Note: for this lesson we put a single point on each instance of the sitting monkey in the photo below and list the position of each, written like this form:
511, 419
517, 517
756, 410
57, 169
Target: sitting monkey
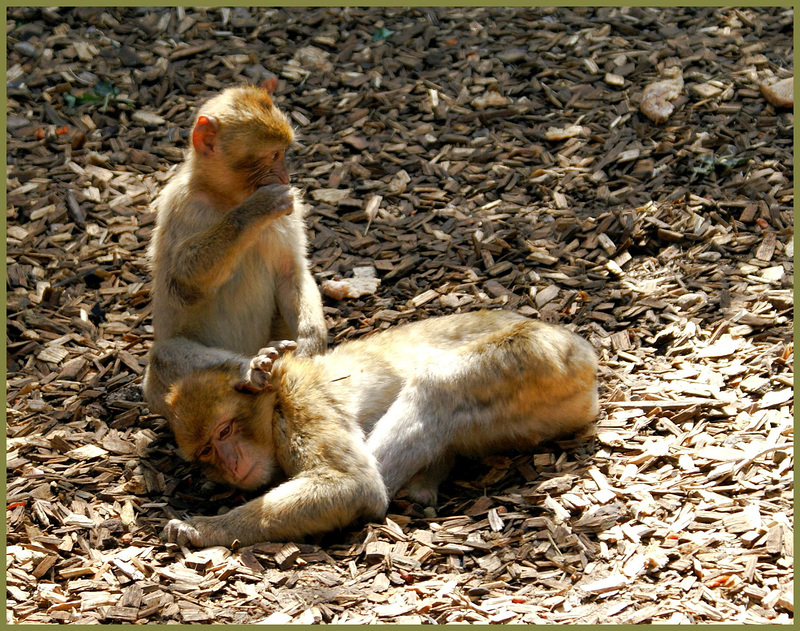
230, 267
352, 427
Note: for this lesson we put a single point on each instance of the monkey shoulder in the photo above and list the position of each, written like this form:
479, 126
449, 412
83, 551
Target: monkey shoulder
300, 384
315, 389
176, 193
312, 424
188, 216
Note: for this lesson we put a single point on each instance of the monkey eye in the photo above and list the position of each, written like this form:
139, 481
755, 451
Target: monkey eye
205, 452
274, 156
225, 431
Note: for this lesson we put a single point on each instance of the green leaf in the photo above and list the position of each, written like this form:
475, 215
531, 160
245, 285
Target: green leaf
105, 89
709, 163
88, 97
706, 165
381, 33
731, 162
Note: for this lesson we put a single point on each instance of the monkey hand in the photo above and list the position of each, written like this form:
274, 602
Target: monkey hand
273, 200
183, 533
199, 532
259, 372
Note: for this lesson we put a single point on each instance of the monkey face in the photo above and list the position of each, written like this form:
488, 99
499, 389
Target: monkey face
261, 168
241, 138
228, 433
233, 456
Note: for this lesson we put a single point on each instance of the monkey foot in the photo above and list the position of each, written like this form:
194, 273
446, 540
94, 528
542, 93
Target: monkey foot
260, 370
422, 493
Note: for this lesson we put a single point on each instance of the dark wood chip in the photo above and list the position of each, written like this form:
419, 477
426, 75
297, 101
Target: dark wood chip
474, 158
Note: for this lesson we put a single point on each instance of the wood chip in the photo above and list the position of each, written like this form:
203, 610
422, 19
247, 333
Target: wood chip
656, 98
286, 556
471, 158
779, 92
610, 583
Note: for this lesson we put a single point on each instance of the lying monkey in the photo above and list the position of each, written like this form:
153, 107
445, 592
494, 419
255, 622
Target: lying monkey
352, 427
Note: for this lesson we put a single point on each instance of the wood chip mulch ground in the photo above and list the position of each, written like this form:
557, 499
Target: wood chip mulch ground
475, 158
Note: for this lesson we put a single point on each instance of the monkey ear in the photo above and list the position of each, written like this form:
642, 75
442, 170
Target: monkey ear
271, 84
248, 387
204, 135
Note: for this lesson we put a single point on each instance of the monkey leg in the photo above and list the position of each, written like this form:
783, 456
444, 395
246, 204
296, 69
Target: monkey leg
300, 306
515, 386
175, 358
316, 501
410, 437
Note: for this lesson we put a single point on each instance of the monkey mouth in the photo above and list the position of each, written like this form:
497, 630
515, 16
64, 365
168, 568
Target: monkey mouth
251, 480
267, 180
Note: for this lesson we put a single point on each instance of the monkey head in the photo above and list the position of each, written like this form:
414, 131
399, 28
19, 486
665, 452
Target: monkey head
239, 140
226, 431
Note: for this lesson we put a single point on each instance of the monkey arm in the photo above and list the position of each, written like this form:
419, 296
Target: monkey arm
315, 501
175, 358
300, 305
335, 480
207, 258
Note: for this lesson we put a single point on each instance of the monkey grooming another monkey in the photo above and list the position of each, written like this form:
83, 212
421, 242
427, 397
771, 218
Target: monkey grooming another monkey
230, 268
352, 427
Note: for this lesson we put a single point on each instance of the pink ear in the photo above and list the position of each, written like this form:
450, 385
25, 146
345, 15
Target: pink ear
271, 84
204, 135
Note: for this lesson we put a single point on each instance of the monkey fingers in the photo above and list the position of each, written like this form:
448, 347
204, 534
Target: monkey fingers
263, 361
272, 200
182, 533
281, 346
259, 372
257, 377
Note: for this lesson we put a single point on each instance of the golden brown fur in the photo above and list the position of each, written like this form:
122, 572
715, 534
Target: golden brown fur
352, 427
230, 270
